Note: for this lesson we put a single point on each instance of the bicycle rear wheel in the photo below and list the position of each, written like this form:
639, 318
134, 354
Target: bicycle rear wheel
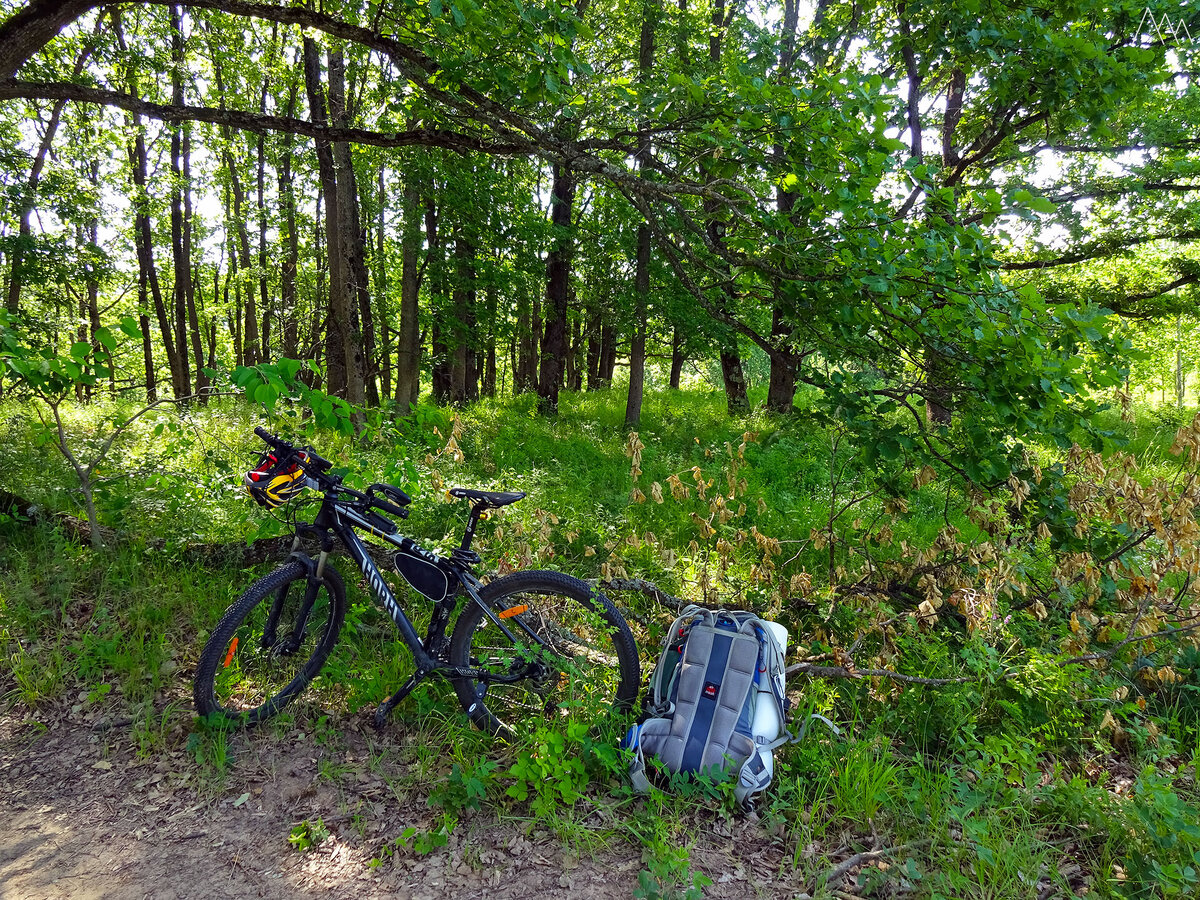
270, 644
577, 654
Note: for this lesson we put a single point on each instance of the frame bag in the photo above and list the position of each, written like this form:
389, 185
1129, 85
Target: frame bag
716, 701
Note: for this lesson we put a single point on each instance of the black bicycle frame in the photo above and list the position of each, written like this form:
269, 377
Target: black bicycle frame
340, 519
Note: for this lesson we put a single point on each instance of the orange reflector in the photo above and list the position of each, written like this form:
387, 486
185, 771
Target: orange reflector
232, 650
513, 611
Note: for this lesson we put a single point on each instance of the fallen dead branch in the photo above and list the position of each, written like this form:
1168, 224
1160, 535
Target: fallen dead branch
75, 528
802, 668
641, 586
865, 857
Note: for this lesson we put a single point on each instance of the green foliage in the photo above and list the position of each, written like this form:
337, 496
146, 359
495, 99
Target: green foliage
791, 206
550, 771
267, 383
308, 835
668, 874
40, 370
466, 787
1002, 771
864, 779
209, 747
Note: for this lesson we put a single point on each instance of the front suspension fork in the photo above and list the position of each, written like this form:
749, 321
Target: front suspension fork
316, 578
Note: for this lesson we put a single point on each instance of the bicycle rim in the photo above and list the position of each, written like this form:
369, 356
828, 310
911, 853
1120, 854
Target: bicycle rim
576, 651
257, 673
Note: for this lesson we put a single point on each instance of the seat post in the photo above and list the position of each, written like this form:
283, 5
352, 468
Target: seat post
472, 520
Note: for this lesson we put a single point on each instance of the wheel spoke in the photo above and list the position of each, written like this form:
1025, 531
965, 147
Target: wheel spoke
248, 671
582, 656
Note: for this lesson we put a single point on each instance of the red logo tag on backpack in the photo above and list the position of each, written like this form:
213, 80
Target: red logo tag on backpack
710, 690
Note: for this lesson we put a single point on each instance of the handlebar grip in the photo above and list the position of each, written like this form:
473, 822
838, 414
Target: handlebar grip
271, 439
318, 462
395, 500
391, 492
389, 508
315, 460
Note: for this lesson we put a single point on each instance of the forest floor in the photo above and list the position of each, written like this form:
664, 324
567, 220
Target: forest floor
86, 816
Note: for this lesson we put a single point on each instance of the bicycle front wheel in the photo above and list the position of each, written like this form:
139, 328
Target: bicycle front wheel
573, 656
270, 644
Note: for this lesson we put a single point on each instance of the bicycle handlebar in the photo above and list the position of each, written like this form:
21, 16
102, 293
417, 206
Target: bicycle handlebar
315, 460
392, 502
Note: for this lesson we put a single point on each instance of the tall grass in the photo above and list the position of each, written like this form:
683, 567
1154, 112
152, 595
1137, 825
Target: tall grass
992, 789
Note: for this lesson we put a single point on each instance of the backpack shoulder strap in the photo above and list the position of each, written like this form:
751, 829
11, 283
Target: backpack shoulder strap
666, 672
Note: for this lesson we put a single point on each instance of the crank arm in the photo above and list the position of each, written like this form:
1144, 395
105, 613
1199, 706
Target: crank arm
483, 675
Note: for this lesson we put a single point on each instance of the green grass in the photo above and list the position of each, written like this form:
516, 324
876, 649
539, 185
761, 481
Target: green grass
988, 789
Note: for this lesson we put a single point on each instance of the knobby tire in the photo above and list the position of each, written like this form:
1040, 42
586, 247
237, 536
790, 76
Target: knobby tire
589, 659
242, 682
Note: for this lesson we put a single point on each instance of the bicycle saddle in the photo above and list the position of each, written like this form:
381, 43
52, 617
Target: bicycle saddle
487, 499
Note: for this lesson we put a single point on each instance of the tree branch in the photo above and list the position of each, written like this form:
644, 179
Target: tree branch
815, 671
1101, 249
1183, 281
259, 123
866, 856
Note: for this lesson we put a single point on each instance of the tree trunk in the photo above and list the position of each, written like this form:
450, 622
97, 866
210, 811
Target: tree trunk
525, 367
246, 286
358, 342
143, 238
489, 365
641, 277
181, 238
381, 289
463, 376
247, 344
234, 316
677, 357
637, 344
732, 375
608, 354
151, 379
264, 296
440, 351
939, 398
1180, 375
291, 245
25, 228
408, 339
193, 292
575, 356
731, 359
143, 234
337, 328
87, 238
592, 332
558, 275
781, 389
318, 304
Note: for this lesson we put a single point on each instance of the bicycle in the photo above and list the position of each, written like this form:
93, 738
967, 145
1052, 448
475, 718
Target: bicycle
530, 643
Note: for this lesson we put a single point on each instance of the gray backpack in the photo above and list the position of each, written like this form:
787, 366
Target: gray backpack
716, 702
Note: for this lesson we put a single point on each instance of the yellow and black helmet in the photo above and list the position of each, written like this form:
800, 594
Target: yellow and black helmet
274, 482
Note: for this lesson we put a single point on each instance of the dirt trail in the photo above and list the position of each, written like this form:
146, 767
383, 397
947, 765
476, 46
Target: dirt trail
86, 818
